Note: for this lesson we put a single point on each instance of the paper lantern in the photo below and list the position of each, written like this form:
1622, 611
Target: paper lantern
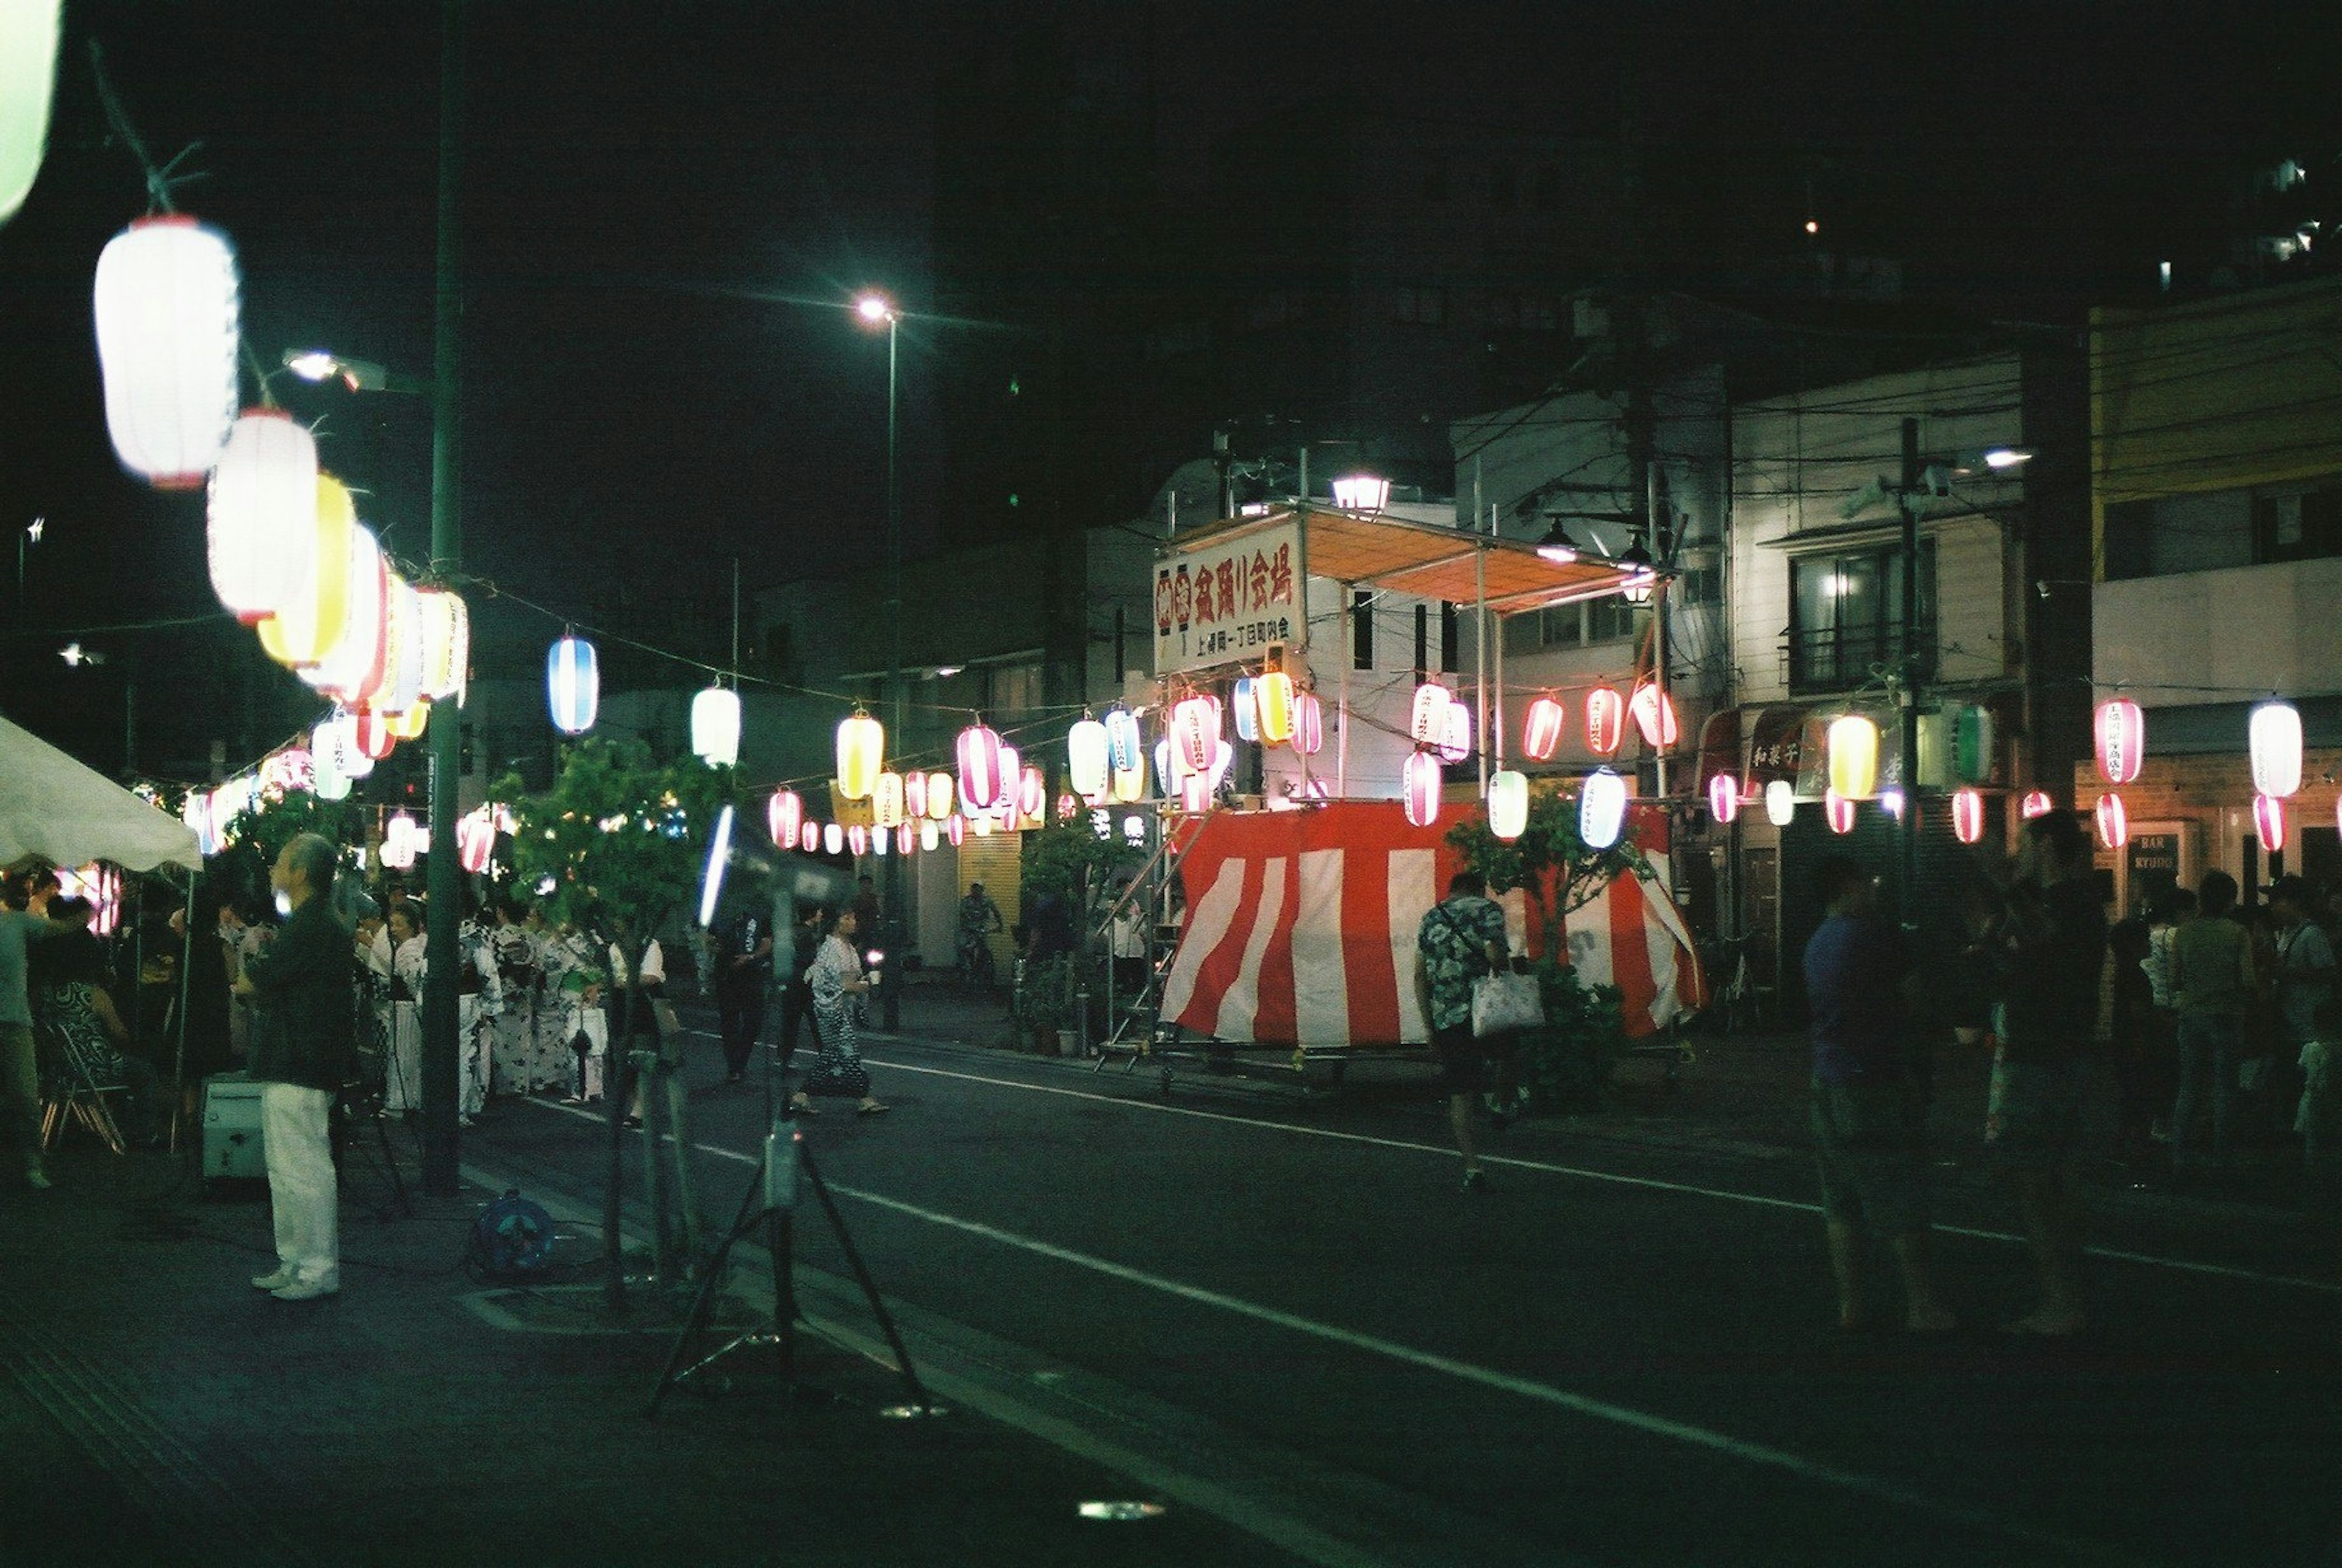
327, 778
715, 726
1033, 792
956, 829
783, 814
573, 684
1086, 761
1273, 694
166, 302
404, 654
1428, 721
2269, 821
1247, 706
372, 736
940, 795
887, 801
2275, 737
1222, 759
309, 621
1606, 721
1070, 806
1780, 803
1723, 798
355, 665
410, 725
476, 840
833, 838
28, 62
2037, 802
981, 782
1126, 742
1601, 808
906, 838
1455, 732
1195, 734
446, 642
857, 840
1972, 744
1508, 804
1839, 811
2121, 731
2114, 823
861, 753
882, 841
399, 844
809, 837
1308, 725
1012, 784
981, 824
261, 517
1968, 815
914, 793
1196, 793
931, 833
1655, 716
1853, 756
1541, 731
1419, 786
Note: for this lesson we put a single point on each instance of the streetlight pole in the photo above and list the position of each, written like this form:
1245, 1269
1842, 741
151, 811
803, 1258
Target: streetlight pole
1907, 829
875, 308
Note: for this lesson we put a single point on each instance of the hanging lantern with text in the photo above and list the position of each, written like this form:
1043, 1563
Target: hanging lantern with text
887, 801
2269, 821
1086, 757
1308, 725
2114, 822
573, 684
981, 781
1011, 775
1428, 719
861, 753
2121, 732
1508, 804
784, 815
1541, 731
1723, 798
2276, 736
166, 307
1601, 808
399, 845
1968, 815
1126, 742
1780, 803
1854, 757
1195, 734
446, 642
1419, 785
1606, 721
261, 516
1456, 733
1273, 695
1837, 811
1655, 716
1246, 701
715, 726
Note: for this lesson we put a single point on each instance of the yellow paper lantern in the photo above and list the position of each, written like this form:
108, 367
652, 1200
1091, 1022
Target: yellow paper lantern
309, 623
861, 748
1854, 757
887, 801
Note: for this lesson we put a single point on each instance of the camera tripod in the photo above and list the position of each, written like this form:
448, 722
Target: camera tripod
770, 1201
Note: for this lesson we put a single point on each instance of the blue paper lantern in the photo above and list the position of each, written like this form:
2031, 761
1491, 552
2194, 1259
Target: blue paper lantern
573, 684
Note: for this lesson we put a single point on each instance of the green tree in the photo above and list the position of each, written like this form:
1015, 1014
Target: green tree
618, 828
1551, 863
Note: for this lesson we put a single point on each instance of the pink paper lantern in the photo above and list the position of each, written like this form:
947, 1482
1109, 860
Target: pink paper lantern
1541, 731
1968, 815
2114, 822
1606, 721
1655, 714
1419, 788
783, 814
2037, 802
2269, 821
981, 782
1839, 810
2121, 734
1196, 732
1724, 798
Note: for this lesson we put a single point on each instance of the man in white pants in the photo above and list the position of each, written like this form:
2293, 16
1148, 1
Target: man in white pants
300, 1054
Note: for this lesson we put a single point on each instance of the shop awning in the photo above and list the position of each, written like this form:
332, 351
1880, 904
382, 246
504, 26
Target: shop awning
1423, 559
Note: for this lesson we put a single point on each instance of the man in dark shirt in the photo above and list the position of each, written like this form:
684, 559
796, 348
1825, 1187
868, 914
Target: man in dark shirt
2055, 946
1869, 1112
743, 973
301, 985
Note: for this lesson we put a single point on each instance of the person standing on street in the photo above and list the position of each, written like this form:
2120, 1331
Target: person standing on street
2056, 947
2212, 985
839, 982
1461, 939
24, 920
1869, 1107
796, 995
302, 985
2305, 981
744, 972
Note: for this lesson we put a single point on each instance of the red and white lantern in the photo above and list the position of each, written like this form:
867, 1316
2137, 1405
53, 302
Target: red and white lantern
1455, 732
1428, 721
2114, 822
1032, 793
166, 306
1655, 716
2121, 734
857, 839
1606, 721
956, 827
981, 780
1541, 731
783, 814
809, 837
1839, 811
906, 838
1723, 798
1968, 815
2037, 802
2276, 739
1308, 725
1195, 734
2269, 821
1419, 787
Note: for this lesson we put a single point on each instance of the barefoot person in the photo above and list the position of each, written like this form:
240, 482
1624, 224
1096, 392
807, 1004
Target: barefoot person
1869, 1110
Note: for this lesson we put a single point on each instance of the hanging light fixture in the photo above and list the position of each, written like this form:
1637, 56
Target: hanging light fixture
1853, 756
1601, 808
2269, 821
1086, 757
715, 726
956, 827
2120, 729
1641, 577
1273, 694
1246, 701
1541, 731
1032, 793
446, 642
940, 795
833, 838
261, 516
1508, 804
166, 306
1723, 798
1419, 786
1456, 733
2037, 802
309, 621
28, 70
857, 840
1606, 721
1308, 725
931, 833
981, 780
1780, 803
887, 801
573, 683
1968, 815
2114, 822
861, 753
1655, 716
1428, 721
1195, 734
809, 837
1126, 743
783, 814
2275, 738
1361, 493
1839, 811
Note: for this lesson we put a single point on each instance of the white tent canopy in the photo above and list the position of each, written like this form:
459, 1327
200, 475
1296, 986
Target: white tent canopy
54, 808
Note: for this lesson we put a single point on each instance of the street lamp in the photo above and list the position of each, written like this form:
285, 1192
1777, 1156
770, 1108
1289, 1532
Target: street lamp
874, 310
30, 536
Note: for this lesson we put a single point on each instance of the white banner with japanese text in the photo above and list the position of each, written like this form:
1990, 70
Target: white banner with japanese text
1226, 602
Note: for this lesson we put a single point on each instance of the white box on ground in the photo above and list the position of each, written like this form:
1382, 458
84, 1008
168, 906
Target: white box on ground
232, 1138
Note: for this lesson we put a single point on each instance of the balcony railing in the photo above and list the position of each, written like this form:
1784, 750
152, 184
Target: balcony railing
1841, 658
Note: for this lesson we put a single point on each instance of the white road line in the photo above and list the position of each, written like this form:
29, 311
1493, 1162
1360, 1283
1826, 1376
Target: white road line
1655, 1183
1756, 1453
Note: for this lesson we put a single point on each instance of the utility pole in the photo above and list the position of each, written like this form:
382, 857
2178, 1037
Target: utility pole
442, 1057
1907, 827
890, 980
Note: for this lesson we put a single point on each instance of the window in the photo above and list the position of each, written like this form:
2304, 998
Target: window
1846, 617
1605, 619
1450, 638
1422, 642
1362, 629
1422, 306
1015, 688
2208, 532
2296, 524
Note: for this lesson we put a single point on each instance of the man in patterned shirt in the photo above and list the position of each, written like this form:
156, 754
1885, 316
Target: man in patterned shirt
1460, 939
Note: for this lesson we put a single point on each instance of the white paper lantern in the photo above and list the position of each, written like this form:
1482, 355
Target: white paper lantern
1508, 804
2275, 738
1419, 788
887, 801
261, 517
1427, 716
1780, 803
1087, 757
166, 301
573, 684
833, 838
715, 727
1601, 808
399, 842
446, 642
28, 71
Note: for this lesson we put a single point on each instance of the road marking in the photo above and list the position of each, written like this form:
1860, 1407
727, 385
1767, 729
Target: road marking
1655, 1183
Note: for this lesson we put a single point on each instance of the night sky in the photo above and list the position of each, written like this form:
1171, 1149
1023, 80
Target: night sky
648, 188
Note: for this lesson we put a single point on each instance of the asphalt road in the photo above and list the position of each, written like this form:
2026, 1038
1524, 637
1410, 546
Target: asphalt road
1289, 1315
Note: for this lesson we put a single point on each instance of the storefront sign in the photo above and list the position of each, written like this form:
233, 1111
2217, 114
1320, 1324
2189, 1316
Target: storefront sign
1227, 603
2154, 862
